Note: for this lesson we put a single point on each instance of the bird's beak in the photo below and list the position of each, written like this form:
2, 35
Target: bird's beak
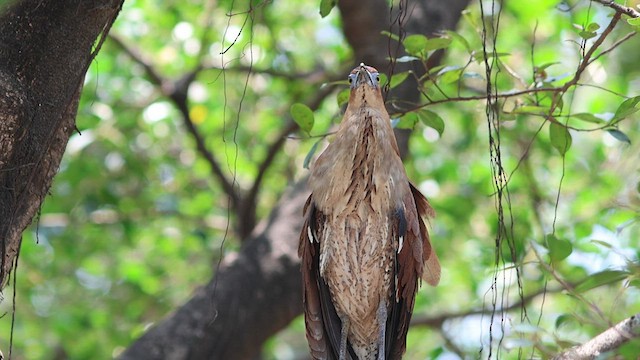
364, 75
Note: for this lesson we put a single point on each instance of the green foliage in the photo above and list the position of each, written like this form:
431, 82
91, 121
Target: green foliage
303, 116
135, 219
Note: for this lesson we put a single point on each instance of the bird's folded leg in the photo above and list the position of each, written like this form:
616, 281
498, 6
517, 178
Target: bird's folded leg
343, 338
382, 329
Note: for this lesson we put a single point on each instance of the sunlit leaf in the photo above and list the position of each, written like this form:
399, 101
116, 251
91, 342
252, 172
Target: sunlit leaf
560, 137
343, 97
635, 22
628, 107
408, 121
326, 6
407, 58
587, 34
390, 35
397, 79
559, 249
602, 243
593, 27
432, 120
460, 39
588, 118
531, 109
563, 319
303, 116
450, 74
415, 44
437, 43
601, 278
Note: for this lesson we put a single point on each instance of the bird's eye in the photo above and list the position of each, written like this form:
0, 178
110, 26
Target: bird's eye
377, 77
350, 79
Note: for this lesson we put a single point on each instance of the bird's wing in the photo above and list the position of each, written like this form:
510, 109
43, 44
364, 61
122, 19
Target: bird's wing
414, 258
322, 322
431, 271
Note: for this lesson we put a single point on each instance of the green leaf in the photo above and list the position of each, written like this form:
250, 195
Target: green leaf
478, 56
415, 44
619, 135
546, 65
601, 278
312, 151
531, 109
408, 121
397, 79
326, 6
390, 35
560, 137
588, 118
449, 74
343, 97
432, 120
559, 249
625, 109
459, 38
593, 27
635, 22
437, 43
303, 116
563, 319
406, 58
602, 243
587, 34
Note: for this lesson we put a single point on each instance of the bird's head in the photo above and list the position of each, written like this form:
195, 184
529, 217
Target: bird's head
365, 84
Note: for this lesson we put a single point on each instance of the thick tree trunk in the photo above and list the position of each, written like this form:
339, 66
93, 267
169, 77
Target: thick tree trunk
45, 51
258, 291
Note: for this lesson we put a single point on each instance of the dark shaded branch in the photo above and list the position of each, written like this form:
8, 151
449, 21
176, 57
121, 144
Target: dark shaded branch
250, 201
608, 340
255, 293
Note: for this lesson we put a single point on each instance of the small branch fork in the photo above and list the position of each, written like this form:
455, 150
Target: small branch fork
243, 204
631, 12
608, 340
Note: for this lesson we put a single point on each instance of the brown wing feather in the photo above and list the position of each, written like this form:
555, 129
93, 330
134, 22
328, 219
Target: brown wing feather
322, 322
431, 271
415, 259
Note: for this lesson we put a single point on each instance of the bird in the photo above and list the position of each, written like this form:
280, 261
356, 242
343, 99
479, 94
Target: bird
364, 244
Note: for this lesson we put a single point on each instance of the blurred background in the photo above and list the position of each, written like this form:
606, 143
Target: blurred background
137, 219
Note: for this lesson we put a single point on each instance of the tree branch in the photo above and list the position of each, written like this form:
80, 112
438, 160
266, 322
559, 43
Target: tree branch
250, 200
438, 321
177, 92
621, 9
608, 340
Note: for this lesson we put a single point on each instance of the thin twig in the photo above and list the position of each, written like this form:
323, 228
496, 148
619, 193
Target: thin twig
620, 9
274, 148
438, 321
615, 45
177, 92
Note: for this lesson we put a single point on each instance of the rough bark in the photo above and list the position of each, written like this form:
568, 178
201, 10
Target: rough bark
46, 47
608, 340
257, 292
